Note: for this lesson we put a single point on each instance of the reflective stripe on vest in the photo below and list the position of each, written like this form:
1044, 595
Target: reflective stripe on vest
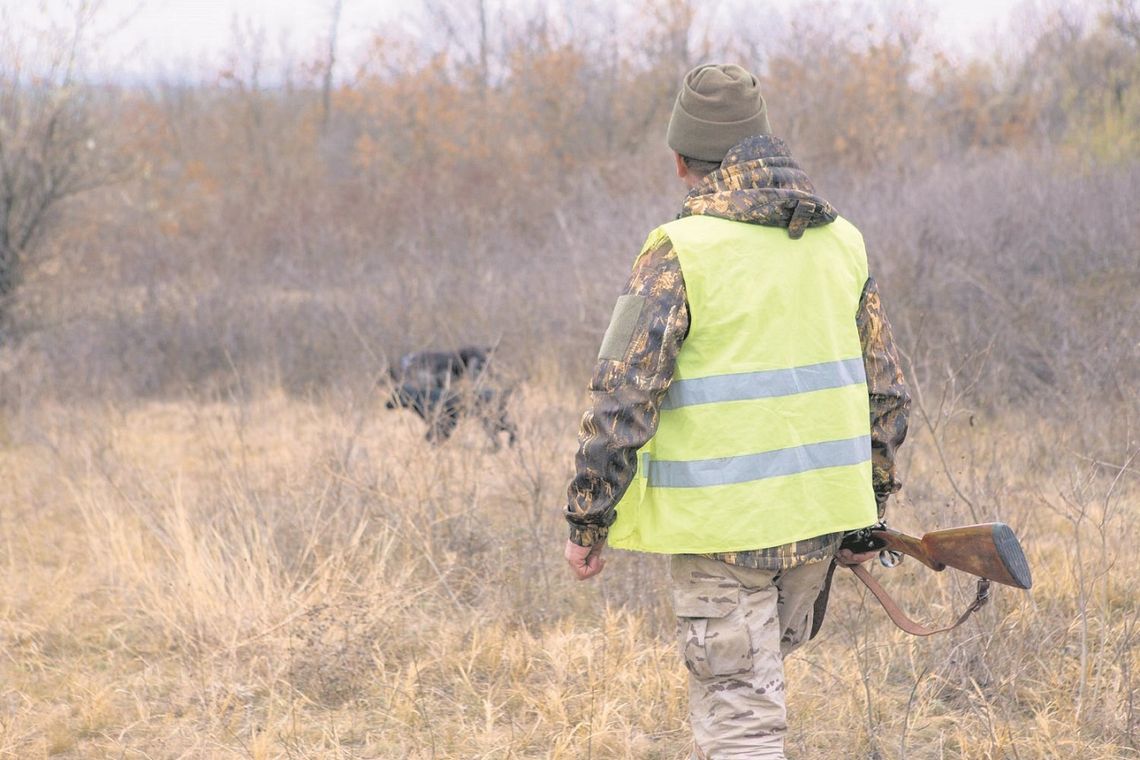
767, 464
764, 433
767, 384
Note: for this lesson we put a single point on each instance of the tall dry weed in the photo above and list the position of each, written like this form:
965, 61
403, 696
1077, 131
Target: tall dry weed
266, 577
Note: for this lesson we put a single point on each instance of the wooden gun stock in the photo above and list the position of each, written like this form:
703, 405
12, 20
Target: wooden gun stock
988, 550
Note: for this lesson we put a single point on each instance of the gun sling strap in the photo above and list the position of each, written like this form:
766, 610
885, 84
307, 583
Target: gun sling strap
899, 617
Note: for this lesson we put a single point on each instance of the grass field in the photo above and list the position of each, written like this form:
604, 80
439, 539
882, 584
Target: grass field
215, 542
275, 578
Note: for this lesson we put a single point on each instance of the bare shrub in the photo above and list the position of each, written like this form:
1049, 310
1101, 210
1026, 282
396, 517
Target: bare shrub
55, 142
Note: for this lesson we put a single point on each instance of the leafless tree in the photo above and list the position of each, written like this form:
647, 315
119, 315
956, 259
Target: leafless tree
330, 63
52, 146
1124, 17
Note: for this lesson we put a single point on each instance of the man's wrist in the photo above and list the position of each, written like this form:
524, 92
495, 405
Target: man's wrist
588, 535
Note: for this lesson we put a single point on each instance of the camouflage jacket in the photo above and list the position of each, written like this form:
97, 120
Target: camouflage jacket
758, 183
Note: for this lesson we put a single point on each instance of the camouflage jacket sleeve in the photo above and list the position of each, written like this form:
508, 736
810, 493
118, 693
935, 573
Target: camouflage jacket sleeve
635, 367
890, 399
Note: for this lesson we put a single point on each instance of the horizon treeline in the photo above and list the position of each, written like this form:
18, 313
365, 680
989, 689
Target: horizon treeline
491, 182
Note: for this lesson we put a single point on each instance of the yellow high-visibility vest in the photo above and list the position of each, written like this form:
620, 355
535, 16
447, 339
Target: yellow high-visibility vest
764, 434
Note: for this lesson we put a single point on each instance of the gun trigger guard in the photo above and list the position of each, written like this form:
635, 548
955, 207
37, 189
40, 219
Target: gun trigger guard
890, 558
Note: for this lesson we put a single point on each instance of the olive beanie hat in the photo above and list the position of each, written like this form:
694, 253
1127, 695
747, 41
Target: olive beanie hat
718, 106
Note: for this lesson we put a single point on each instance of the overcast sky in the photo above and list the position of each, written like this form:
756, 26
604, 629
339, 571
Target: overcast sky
191, 37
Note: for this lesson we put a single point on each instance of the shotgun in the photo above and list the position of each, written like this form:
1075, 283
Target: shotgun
989, 550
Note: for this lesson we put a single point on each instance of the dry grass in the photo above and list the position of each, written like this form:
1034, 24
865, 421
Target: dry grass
289, 571
283, 579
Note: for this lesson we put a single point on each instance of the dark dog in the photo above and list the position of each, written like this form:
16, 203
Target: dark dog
442, 387
439, 369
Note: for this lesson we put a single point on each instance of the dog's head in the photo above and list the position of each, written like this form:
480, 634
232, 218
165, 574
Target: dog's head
422, 401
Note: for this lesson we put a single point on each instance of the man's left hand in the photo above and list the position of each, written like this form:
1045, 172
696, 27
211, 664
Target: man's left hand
585, 561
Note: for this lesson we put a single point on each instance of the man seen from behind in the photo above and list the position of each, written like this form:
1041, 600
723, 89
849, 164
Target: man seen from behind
744, 413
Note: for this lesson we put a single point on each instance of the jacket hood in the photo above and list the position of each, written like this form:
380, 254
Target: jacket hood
760, 183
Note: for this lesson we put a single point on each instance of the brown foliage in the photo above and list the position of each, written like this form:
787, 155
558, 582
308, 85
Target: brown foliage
493, 185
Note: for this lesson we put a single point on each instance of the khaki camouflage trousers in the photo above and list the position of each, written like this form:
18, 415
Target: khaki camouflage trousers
735, 626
